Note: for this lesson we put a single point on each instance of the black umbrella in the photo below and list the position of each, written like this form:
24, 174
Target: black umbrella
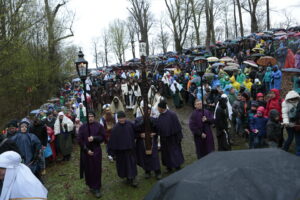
267, 174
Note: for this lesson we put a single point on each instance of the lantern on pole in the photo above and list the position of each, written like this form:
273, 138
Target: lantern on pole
200, 67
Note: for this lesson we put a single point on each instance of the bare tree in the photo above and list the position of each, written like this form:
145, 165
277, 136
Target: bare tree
163, 38
251, 6
180, 15
268, 14
96, 52
105, 42
118, 33
240, 17
132, 26
235, 21
140, 11
210, 30
197, 7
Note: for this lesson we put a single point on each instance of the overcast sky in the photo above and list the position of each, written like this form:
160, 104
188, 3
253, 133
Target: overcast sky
92, 16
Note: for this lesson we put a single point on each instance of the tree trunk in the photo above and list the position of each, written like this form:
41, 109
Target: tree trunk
212, 26
235, 22
240, 17
254, 25
132, 48
196, 27
208, 32
268, 14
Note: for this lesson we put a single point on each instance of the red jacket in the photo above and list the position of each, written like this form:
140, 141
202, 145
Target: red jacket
274, 103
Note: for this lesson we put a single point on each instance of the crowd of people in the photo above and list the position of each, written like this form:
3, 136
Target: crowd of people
243, 101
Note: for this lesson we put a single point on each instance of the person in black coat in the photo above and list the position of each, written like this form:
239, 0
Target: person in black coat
274, 129
39, 129
221, 123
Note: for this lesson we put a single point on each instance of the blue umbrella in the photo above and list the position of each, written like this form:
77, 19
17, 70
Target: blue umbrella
37, 111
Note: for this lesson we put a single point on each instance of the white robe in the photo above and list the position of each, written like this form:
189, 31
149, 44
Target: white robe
19, 182
66, 120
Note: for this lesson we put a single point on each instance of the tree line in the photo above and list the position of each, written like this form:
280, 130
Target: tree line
33, 59
185, 23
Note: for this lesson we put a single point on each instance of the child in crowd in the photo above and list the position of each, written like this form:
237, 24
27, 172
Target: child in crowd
258, 128
274, 129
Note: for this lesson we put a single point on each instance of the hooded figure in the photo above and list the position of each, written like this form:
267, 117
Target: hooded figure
274, 103
267, 79
274, 134
289, 115
256, 88
81, 112
276, 78
241, 77
221, 122
62, 129
177, 98
29, 146
234, 83
248, 84
19, 182
116, 106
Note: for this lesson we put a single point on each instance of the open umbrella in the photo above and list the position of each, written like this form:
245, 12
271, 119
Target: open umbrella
233, 64
218, 64
226, 59
234, 175
76, 80
231, 68
208, 75
266, 61
212, 59
53, 100
280, 33
251, 63
37, 111
257, 55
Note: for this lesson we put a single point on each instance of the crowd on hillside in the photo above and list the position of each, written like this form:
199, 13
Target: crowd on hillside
240, 97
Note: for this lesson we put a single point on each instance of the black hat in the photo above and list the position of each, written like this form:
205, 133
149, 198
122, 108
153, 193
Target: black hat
162, 104
246, 95
12, 123
121, 114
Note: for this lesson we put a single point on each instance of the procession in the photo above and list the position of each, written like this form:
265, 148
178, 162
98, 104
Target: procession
202, 120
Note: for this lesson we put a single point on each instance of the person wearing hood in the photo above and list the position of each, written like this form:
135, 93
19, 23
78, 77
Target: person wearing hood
276, 78
18, 180
221, 122
267, 79
224, 81
241, 77
260, 73
256, 88
29, 146
62, 129
260, 100
257, 128
248, 84
177, 98
117, 106
216, 82
81, 112
289, 114
274, 133
12, 128
234, 83
200, 125
275, 102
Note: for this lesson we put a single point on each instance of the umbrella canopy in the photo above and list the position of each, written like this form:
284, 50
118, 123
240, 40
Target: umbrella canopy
280, 33
212, 59
226, 59
257, 55
234, 175
231, 68
251, 63
208, 75
34, 112
266, 61
53, 100
218, 64
76, 80
233, 64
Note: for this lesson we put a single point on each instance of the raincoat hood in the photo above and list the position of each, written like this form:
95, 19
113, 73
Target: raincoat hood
232, 79
269, 69
291, 95
276, 92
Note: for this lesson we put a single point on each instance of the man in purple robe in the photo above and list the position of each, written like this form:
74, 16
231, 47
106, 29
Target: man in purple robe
147, 162
199, 124
170, 132
91, 153
122, 144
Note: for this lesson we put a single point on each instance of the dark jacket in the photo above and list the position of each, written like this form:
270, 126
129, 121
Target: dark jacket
40, 131
273, 127
259, 123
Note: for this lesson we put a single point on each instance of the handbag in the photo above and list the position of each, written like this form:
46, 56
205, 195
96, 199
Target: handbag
47, 151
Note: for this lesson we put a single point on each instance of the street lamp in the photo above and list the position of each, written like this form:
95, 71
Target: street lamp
144, 91
200, 66
82, 71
